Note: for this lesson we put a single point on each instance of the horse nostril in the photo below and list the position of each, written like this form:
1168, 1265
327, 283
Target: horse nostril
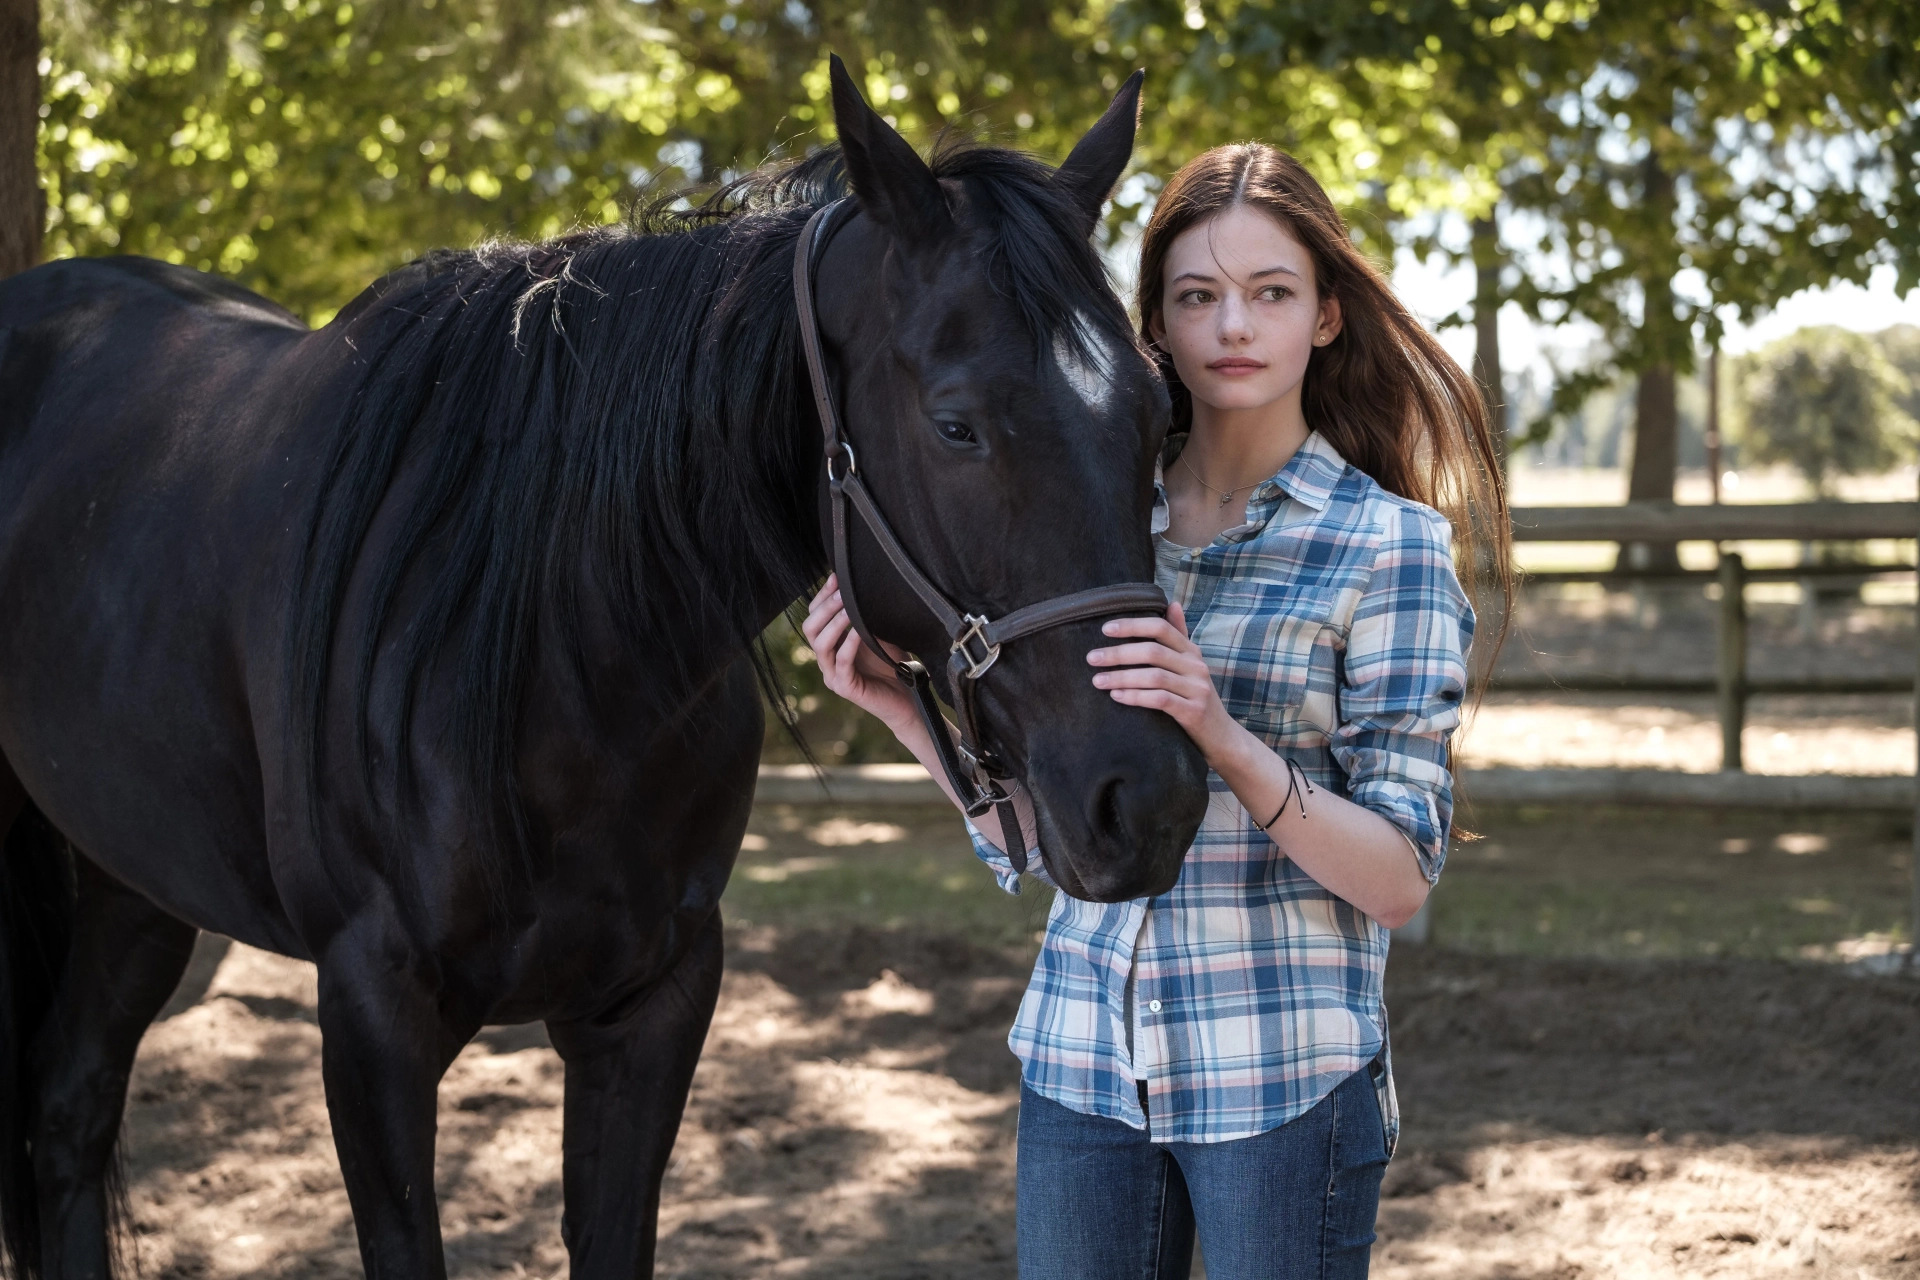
1109, 812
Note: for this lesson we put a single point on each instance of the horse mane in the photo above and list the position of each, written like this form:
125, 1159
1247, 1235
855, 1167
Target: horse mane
630, 399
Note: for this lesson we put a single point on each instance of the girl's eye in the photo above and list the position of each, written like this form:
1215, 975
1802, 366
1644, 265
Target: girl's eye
1275, 293
954, 432
1196, 297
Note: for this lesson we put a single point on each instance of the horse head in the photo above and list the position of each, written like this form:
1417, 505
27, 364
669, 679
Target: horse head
1006, 424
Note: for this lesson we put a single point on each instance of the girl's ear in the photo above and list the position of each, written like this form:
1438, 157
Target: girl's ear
1157, 330
1331, 321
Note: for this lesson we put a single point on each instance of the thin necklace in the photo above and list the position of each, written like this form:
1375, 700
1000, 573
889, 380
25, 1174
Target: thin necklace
1226, 495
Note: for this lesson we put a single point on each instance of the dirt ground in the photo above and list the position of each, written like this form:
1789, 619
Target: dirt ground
1639, 1045
1579, 1103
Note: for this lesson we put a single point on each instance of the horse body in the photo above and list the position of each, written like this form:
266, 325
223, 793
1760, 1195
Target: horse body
203, 819
417, 647
92, 481
206, 823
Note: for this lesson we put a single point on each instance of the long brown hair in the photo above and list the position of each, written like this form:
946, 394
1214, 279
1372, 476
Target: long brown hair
1384, 392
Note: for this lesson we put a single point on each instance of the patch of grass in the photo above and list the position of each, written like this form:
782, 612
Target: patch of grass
1604, 883
1671, 883
820, 867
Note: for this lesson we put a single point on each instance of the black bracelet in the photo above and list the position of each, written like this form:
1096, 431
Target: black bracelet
1296, 779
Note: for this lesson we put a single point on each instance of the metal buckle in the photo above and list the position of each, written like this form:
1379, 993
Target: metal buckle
976, 666
989, 796
853, 465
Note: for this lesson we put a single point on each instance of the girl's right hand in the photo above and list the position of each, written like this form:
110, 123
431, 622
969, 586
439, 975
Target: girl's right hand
849, 668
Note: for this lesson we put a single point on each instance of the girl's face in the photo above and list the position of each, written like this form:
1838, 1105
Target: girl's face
1240, 313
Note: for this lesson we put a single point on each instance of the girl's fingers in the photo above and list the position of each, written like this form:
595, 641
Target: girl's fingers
827, 588
1155, 699
825, 610
1144, 678
818, 621
1148, 653
1159, 629
829, 637
1177, 617
847, 657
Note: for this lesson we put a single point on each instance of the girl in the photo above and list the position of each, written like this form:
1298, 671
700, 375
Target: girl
1214, 1060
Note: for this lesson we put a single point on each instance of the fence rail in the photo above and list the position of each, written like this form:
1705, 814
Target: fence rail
1632, 522
1593, 682
909, 784
1833, 575
1719, 524
1670, 522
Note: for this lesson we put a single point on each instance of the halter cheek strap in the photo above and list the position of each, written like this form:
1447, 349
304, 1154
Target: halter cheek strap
973, 771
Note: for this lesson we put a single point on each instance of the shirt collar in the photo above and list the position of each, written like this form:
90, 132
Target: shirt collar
1309, 477
1310, 474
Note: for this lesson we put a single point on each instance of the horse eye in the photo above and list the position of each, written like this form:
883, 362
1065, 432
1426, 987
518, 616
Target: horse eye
954, 432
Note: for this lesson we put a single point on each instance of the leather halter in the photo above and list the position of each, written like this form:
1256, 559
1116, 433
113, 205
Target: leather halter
972, 769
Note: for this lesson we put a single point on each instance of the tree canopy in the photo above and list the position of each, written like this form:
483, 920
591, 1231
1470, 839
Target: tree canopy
1826, 402
1654, 170
303, 146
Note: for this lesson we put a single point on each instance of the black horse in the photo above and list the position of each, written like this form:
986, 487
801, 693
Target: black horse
419, 646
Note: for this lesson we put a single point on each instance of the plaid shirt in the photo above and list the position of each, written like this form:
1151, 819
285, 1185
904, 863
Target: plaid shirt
1336, 631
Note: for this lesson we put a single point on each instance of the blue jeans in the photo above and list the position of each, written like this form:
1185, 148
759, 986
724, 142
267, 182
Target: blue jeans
1098, 1201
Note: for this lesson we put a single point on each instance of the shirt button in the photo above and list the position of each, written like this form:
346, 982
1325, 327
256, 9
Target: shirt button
1153, 1006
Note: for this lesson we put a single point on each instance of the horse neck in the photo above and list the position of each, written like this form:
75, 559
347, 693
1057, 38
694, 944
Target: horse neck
717, 604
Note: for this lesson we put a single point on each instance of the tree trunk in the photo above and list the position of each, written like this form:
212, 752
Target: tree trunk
1486, 330
1656, 433
22, 207
1656, 419
1655, 437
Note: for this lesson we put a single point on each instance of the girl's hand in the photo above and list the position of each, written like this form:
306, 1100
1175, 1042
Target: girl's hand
849, 668
1164, 670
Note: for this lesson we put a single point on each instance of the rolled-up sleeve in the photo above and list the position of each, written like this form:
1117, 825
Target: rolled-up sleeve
1403, 682
1002, 866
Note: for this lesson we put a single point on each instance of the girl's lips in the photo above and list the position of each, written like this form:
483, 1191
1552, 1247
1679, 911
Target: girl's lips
1233, 367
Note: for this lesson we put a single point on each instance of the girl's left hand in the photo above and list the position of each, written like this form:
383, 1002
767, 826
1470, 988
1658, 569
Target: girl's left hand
1161, 668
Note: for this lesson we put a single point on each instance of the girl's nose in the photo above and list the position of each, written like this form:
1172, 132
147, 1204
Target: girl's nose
1236, 322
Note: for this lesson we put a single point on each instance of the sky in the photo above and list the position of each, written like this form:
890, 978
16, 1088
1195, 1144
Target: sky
1432, 292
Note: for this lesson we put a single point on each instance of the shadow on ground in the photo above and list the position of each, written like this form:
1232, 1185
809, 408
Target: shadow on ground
854, 1116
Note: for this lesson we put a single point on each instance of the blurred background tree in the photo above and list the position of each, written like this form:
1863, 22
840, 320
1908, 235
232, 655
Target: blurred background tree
1646, 173
1828, 403
1901, 346
22, 207
1649, 171
304, 146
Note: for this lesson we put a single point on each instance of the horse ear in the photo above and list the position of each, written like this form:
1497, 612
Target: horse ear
1098, 159
890, 180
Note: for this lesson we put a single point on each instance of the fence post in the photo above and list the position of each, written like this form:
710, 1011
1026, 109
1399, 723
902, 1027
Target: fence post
1733, 657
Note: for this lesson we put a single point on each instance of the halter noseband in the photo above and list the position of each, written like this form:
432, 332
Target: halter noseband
973, 771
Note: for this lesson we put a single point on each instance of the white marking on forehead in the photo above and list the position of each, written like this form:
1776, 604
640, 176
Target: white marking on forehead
1090, 375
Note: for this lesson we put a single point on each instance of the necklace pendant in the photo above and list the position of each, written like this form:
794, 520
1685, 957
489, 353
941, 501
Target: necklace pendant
1225, 498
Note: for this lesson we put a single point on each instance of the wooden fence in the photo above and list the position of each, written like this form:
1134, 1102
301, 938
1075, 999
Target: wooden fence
1722, 524
1632, 522
1667, 522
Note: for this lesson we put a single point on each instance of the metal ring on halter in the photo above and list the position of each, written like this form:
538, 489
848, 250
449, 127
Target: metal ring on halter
991, 794
989, 653
853, 464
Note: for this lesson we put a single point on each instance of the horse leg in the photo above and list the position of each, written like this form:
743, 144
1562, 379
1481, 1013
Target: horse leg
386, 1039
627, 1081
124, 959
